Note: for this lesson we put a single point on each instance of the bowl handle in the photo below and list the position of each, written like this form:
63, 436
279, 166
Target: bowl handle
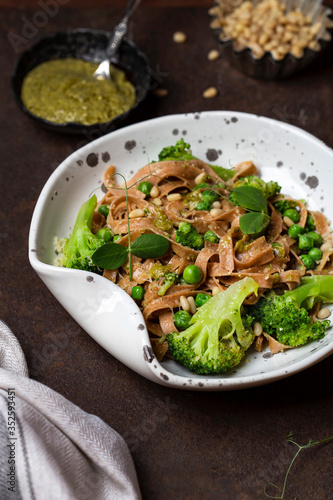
105, 312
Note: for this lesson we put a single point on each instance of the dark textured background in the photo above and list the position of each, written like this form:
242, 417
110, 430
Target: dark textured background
185, 445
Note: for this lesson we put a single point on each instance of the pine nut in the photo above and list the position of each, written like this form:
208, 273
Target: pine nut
158, 202
193, 307
160, 92
179, 37
200, 178
216, 204
134, 214
174, 197
288, 222
184, 303
213, 55
210, 92
154, 192
323, 313
257, 329
267, 25
215, 212
215, 290
325, 246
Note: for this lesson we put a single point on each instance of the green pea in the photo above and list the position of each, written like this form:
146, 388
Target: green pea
138, 292
104, 210
305, 242
295, 231
116, 238
307, 261
209, 196
145, 187
203, 205
201, 299
104, 234
192, 274
182, 320
315, 254
317, 239
310, 223
292, 214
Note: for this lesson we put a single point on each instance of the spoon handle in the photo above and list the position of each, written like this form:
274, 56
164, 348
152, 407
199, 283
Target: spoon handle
120, 30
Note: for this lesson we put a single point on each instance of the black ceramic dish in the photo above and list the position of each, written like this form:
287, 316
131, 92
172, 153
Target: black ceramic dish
267, 68
89, 45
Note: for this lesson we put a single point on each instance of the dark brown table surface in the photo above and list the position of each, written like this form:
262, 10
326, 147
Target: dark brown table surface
223, 445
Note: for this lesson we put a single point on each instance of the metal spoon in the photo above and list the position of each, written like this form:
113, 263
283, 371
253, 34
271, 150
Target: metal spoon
103, 70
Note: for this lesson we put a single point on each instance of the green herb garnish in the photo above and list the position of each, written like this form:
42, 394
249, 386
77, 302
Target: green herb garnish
249, 197
290, 439
253, 200
147, 246
112, 256
150, 246
253, 222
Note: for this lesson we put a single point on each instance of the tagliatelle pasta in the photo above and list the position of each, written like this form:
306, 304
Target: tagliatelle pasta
272, 259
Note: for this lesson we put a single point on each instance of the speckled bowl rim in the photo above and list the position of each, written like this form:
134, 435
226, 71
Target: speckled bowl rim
74, 127
211, 126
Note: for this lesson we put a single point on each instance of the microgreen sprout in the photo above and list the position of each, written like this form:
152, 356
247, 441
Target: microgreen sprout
290, 439
147, 246
139, 181
252, 199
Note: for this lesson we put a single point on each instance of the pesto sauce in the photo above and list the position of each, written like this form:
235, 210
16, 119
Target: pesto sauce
157, 271
162, 221
192, 199
64, 90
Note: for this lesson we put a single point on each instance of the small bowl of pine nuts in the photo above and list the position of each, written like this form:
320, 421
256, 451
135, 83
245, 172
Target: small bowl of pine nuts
271, 39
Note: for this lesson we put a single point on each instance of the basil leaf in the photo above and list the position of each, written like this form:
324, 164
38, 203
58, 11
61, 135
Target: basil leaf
150, 246
110, 256
253, 222
249, 197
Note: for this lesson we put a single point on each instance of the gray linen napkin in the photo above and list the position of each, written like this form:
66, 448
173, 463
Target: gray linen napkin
50, 448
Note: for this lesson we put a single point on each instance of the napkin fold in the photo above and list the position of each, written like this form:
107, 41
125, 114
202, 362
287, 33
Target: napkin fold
50, 448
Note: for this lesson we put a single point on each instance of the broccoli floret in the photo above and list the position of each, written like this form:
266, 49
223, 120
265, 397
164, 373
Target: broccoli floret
283, 205
188, 236
217, 338
285, 317
182, 152
233, 199
82, 243
268, 189
170, 279
272, 188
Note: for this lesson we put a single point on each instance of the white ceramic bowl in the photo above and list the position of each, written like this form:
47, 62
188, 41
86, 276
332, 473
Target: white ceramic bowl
298, 161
